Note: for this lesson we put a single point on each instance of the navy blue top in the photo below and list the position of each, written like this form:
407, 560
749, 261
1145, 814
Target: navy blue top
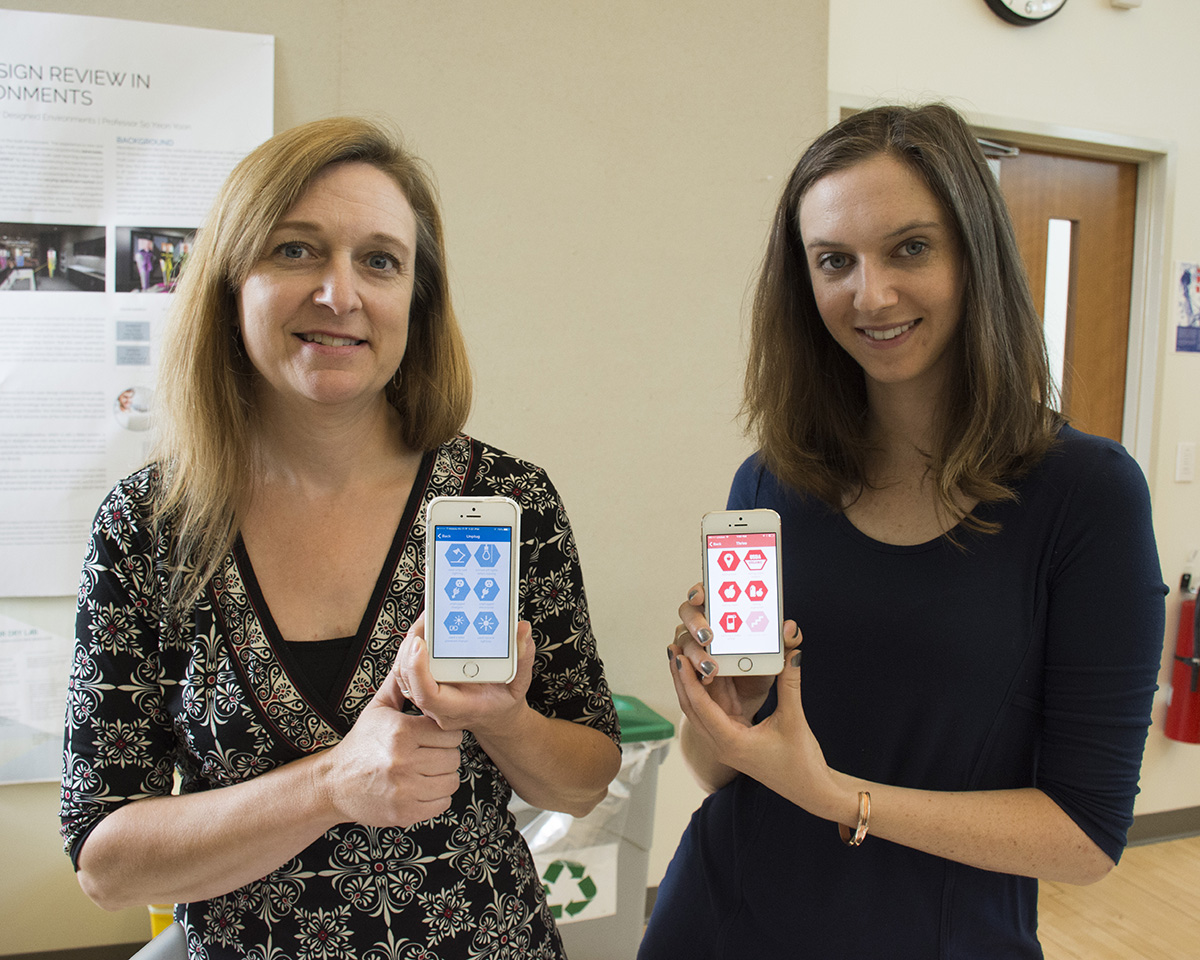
1023, 658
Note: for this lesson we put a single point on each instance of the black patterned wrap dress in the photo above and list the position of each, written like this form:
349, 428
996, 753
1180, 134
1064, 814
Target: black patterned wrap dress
219, 697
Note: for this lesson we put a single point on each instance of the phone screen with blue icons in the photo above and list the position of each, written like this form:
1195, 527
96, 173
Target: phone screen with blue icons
470, 615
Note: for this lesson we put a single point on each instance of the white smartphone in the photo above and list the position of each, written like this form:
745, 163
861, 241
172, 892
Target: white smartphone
472, 556
743, 590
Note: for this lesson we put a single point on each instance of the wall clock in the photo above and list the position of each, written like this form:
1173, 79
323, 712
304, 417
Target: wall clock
1026, 13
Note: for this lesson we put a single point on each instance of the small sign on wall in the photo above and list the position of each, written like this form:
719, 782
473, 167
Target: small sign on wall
1187, 330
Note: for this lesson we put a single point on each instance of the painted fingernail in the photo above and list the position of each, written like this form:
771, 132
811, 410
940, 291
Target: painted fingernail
704, 635
678, 664
707, 667
796, 659
670, 655
692, 593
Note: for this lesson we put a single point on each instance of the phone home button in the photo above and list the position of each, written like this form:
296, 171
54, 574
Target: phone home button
745, 663
470, 670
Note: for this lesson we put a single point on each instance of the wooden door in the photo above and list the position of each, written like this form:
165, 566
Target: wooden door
1099, 198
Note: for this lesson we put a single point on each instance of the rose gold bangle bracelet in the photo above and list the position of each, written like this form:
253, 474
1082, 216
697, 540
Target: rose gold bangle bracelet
864, 821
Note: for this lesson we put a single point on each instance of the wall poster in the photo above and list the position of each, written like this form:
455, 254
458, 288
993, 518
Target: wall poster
1187, 323
34, 665
114, 138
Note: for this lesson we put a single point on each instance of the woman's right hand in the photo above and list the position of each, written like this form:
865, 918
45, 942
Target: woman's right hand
740, 697
392, 769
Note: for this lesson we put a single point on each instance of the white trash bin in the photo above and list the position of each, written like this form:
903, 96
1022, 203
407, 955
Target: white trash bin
594, 868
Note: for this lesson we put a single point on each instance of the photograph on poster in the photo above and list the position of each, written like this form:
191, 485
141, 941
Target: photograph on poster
132, 408
45, 257
151, 259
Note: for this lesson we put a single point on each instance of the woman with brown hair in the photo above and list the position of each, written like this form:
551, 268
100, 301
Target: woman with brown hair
245, 599
977, 584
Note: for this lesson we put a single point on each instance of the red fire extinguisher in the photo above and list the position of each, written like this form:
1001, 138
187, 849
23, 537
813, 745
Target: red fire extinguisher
1183, 702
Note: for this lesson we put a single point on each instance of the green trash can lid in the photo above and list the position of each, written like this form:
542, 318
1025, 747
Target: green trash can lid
639, 722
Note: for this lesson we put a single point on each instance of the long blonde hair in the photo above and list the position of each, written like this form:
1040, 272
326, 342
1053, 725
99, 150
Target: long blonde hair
204, 409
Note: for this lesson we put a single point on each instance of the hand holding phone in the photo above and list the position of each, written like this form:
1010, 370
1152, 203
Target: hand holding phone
477, 707
472, 559
743, 590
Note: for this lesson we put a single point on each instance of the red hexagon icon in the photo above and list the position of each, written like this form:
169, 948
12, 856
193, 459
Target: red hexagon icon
756, 590
730, 622
728, 560
729, 591
755, 559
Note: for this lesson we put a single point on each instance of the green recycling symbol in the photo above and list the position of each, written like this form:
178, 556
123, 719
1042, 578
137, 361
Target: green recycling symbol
584, 885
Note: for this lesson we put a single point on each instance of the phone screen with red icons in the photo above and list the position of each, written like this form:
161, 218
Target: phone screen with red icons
743, 590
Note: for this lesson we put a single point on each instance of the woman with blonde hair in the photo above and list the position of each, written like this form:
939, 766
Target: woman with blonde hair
250, 612
977, 584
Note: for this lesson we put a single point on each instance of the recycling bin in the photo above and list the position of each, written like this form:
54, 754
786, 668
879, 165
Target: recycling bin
594, 868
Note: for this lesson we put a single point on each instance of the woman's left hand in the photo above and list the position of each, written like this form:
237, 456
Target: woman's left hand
551, 763
478, 707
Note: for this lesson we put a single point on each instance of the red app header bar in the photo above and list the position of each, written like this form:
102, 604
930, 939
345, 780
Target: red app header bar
733, 541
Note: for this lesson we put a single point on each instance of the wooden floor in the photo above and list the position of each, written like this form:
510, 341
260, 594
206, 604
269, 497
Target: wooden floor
1148, 908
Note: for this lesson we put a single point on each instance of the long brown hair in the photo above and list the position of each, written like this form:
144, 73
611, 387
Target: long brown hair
204, 409
805, 397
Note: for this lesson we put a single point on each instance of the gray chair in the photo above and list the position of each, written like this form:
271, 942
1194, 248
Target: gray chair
171, 944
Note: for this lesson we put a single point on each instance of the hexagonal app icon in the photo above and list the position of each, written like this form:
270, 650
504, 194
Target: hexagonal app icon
457, 622
755, 559
457, 588
729, 591
728, 560
488, 555
758, 621
730, 622
486, 623
457, 555
756, 590
487, 588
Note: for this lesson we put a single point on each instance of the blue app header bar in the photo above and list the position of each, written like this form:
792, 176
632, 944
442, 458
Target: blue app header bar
494, 534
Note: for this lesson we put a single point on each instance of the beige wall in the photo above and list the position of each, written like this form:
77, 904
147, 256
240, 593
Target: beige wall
607, 171
1092, 72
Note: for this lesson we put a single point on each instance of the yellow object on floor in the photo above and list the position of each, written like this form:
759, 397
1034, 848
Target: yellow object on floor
161, 917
